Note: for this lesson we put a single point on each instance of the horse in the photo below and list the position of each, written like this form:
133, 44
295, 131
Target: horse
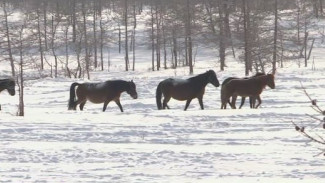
251, 100
251, 87
185, 89
103, 92
9, 85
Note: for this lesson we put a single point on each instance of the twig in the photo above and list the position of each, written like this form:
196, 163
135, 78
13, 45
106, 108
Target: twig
313, 101
302, 131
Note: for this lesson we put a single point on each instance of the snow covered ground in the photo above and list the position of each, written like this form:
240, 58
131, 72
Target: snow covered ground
52, 144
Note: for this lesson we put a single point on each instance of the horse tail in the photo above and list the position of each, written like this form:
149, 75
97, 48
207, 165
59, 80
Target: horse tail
224, 98
72, 101
158, 96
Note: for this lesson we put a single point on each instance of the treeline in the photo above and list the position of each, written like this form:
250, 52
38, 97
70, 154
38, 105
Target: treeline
72, 37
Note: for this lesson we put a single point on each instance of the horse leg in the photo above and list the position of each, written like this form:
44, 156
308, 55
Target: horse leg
165, 101
242, 102
223, 99
259, 101
82, 104
252, 100
201, 102
229, 102
233, 101
187, 104
105, 105
119, 105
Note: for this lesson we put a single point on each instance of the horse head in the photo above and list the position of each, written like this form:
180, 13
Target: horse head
270, 81
212, 78
132, 90
11, 87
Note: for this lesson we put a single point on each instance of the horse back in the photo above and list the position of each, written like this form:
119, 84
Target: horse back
244, 87
181, 89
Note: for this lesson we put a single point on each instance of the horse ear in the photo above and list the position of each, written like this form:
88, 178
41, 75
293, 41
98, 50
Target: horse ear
271, 72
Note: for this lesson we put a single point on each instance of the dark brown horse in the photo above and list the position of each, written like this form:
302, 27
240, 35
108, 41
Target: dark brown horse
9, 85
252, 100
251, 87
100, 93
188, 89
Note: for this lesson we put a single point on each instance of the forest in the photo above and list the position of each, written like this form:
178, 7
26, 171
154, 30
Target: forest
70, 38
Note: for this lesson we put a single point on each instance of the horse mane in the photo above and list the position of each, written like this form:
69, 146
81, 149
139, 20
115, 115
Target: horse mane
202, 75
7, 79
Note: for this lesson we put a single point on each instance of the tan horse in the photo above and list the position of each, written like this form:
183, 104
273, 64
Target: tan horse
251, 87
252, 100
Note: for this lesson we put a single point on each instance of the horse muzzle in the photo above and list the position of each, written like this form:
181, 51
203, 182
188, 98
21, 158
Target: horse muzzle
12, 92
135, 96
216, 84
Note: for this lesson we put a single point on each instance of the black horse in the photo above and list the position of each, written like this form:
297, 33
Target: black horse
100, 93
9, 85
252, 100
188, 89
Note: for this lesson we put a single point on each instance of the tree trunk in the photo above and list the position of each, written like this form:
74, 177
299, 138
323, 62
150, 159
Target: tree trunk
152, 39
126, 36
175, 48
133, 37
119, 38
101, 36
246, 38
305, 43
189, 36
95, 37
11, 59
40, 39
157, 37
45, 24
86, 39
321, 7
74, 22
66, 40
222, 46
53, 48
164, 43
275, 37
21, 110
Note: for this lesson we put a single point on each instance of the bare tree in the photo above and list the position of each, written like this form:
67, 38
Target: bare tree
126, 35
8, 37
189, 35
275, 36
87, 55
21, 108
40, 38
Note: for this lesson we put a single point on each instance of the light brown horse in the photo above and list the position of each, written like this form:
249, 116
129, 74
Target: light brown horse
252, 99
187, 89
251, 87
100, 93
